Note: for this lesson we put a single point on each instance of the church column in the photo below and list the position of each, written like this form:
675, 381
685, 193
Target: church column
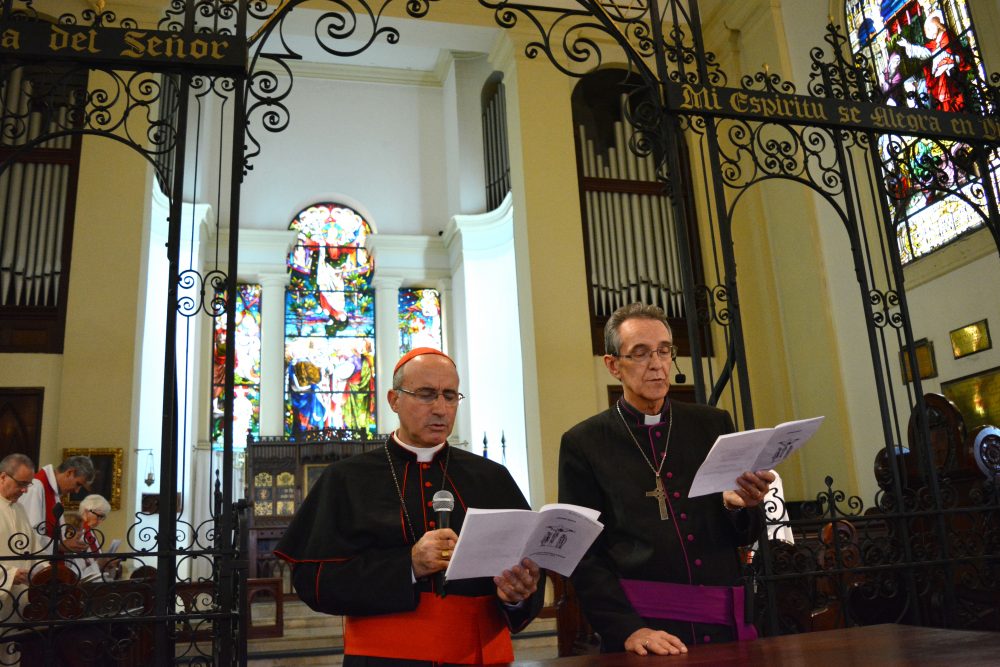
272, 352
453, 341
448, 334
549, 256
488, 349
386, 344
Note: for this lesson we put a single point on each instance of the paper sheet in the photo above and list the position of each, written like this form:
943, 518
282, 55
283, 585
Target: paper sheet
759, 449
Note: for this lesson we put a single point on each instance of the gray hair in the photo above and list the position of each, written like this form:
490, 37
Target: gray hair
13, 462
397, 378
95, 502
82, 464
612, 338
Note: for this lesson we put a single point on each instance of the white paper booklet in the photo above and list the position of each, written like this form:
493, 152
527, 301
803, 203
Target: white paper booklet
491, 541
759, 449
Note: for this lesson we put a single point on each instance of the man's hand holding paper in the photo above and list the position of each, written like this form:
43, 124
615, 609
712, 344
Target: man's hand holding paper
751, 489
555, 537
758, 450
518, 583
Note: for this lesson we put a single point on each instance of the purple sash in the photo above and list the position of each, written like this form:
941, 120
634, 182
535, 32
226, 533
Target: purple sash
718, 605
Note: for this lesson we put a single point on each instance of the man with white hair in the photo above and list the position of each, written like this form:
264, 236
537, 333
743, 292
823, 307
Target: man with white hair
16, 537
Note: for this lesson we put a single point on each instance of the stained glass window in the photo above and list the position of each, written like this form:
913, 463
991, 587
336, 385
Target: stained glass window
329, 323
419, 319
246, 371
924, 54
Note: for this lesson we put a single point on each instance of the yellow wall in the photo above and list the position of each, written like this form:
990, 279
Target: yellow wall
95, 396
550, 261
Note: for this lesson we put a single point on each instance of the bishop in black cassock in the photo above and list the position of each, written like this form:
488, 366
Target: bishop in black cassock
664, 562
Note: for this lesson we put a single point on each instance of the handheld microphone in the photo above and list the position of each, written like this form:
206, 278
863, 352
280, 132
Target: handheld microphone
680, 378
53, 528
442, 503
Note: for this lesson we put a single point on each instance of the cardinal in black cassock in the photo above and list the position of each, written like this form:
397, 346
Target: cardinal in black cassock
352, 542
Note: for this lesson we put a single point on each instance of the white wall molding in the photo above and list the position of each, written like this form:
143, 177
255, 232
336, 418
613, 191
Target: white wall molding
359, 73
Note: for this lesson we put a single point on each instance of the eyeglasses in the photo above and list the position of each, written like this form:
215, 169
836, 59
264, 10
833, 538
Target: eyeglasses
645, 355
99, 515
20, 484
428, 395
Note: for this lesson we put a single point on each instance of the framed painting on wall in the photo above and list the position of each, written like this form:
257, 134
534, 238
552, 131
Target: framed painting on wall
311, 473
926, 363
970, 339
107, 478
977, 397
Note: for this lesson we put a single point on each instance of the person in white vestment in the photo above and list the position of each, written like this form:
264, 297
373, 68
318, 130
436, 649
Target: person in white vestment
16, 537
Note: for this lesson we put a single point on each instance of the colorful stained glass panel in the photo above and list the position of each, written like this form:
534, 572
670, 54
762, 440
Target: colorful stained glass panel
330, 383
924, 54
246, 370
329, 323
419, 319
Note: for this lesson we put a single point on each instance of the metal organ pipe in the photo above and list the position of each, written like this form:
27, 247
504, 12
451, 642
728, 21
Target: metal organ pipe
630, 235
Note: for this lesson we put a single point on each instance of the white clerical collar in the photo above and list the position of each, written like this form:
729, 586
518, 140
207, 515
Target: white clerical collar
423, 454
649, 420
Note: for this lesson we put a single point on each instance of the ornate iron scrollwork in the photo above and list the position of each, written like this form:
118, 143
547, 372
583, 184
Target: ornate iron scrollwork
198, 293
885, 308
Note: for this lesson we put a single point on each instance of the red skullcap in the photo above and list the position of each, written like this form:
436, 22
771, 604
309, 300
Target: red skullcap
416, 352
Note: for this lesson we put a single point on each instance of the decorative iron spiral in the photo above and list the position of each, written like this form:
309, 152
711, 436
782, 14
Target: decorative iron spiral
884, 310
199, 293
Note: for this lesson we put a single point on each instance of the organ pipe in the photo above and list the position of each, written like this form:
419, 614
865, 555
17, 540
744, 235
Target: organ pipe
629, 230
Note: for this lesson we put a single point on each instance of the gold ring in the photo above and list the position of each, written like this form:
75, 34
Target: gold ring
445, 554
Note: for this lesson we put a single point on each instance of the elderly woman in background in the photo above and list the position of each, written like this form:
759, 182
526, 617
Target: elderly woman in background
93, 511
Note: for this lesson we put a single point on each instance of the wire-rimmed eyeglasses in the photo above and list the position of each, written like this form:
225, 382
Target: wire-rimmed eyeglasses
428, 395
644, 355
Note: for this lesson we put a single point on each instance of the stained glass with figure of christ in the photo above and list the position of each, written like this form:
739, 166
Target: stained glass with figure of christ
246, 369
329, 323
924, 54
419, 319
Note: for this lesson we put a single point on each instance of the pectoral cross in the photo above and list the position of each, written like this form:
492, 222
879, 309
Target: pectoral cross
661, 495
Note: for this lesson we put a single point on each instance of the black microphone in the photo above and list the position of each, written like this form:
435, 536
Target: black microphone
442, 503
53, 529
680, 378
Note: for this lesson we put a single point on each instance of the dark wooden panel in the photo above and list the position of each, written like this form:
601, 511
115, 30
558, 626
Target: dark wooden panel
21, 421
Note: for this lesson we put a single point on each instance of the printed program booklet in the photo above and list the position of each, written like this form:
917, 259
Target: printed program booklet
758, 449
556, 537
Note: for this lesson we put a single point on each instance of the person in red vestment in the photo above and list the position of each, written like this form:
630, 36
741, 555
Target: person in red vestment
42, 503
665, 572
944, 64
365, 543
